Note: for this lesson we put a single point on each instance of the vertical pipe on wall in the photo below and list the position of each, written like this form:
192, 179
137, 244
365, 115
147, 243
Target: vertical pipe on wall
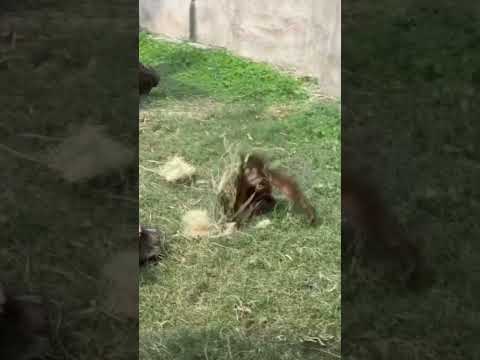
193, 21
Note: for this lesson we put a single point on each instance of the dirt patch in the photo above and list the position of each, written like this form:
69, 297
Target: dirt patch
281, 111
192, 109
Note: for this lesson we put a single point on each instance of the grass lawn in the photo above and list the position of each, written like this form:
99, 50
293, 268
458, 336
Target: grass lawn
271, 293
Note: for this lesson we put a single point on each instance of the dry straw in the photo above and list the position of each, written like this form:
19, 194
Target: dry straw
196, 224
175, 170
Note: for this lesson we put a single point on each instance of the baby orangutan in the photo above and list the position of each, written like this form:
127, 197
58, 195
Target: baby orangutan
254, 186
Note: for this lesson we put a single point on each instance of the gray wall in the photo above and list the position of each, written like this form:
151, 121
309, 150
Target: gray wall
304, 35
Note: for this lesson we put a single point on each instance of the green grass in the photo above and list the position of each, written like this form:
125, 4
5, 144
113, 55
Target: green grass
260, 293
217, 74
426, 146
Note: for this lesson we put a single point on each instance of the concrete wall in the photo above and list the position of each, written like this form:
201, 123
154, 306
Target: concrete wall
301, 34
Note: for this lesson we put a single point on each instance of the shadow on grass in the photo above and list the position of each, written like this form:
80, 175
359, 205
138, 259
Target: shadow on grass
218, 343
170, 88
149, 273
